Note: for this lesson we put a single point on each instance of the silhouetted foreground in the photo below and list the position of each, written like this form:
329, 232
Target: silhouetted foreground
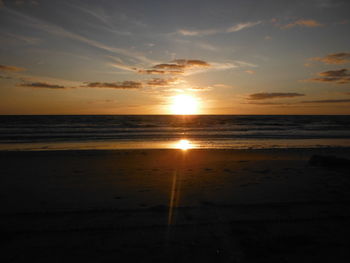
174, 206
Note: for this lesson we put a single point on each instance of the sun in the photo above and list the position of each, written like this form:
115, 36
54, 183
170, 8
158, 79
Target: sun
184, 145
184, 105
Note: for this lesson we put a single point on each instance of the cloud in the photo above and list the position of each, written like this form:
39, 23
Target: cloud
158, 82
101, 101
340, 76
63, 33
11, 68
9, 37
208, 32
267, 103
122, 67
251, 72
42, 85
5, 77
191, 63
114, 85
326, 101
181, 64
242, 26
199, 89
190, 67
265, 95
176, 67
169, 66
336, 73
205, 32
111, 85
335, 58
303, 23
158, 72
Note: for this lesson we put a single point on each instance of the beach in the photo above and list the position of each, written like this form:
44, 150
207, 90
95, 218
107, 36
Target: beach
223, 205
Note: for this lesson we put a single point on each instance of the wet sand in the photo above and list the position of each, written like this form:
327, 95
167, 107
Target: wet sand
174, 206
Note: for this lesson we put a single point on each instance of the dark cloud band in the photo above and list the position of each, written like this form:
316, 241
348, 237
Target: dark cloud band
335, 58
11, 68
340, 76
114, 85
265, 95
42, 85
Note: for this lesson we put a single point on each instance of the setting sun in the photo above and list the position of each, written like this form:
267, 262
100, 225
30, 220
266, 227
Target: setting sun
183, 145
184, 104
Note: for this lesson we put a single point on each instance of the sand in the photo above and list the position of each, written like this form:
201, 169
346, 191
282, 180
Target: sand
174, 206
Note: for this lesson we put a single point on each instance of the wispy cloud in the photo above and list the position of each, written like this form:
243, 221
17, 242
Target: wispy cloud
299, 103
327, 101
109, 85
8, 68
205, 32
61, 32
200, 88
23, 39
267, 103
107, 101
122, 67
340, 76
158, 72
103, 20
335, 58
251, 72
5, 77
266, 95
159, 82
191, 66
303, 23
208, 32
42, 85
114, 85
176, 67
242, 26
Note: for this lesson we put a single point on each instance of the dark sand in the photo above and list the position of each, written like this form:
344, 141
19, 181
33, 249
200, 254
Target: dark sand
174, 206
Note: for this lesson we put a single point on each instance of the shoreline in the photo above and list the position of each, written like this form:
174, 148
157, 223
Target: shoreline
319, 150
112, 204
258, 143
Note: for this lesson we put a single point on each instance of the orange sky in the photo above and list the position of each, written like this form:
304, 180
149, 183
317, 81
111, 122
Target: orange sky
232, 57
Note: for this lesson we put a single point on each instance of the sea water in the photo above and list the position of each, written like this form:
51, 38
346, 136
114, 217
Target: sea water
63, 132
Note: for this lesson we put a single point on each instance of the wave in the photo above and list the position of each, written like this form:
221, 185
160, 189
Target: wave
15, 129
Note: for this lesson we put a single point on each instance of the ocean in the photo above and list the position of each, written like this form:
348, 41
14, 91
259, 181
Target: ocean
68, 132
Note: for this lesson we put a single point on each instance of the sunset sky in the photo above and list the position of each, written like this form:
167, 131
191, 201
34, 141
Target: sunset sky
134, 57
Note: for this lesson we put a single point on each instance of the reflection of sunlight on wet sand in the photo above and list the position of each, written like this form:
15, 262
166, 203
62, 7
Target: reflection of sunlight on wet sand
184, 145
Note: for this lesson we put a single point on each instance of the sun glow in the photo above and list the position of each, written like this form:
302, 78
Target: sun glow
184, 105
184, 145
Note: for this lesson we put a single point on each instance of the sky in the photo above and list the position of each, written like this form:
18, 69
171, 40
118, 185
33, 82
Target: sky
134, 57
